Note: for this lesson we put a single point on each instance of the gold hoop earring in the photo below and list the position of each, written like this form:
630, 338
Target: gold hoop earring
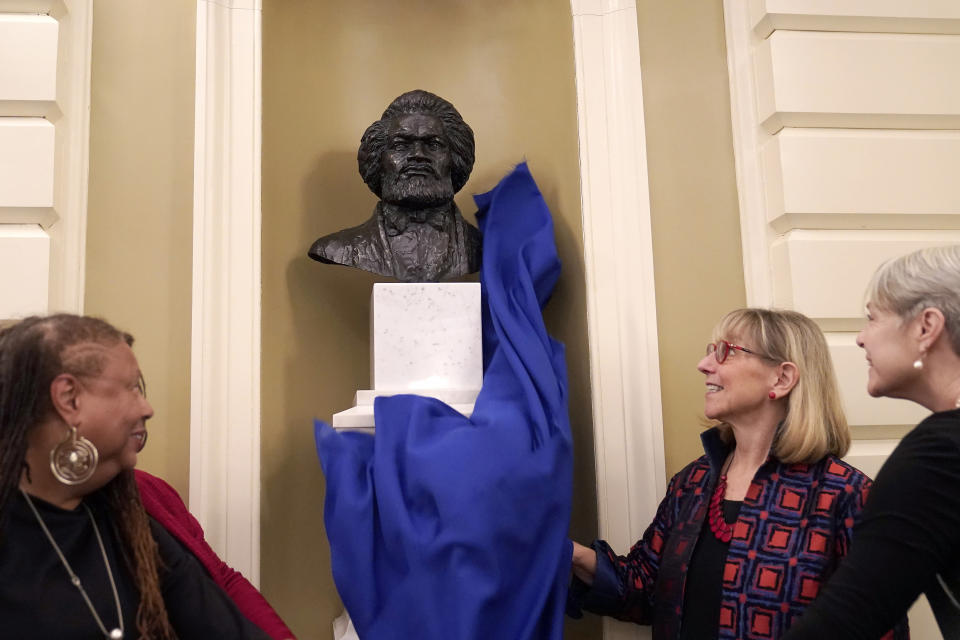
74, 460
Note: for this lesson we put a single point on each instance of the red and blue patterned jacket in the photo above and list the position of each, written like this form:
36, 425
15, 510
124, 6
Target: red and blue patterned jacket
795, 524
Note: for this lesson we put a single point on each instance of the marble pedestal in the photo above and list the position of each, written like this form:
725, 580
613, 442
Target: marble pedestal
426, 340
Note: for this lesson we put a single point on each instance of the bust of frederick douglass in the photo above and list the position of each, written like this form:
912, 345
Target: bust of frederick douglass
414, 158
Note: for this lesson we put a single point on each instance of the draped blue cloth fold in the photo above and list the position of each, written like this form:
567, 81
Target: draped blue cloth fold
444, 527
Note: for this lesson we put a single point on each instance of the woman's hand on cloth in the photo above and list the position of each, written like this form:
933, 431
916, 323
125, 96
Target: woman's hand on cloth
584, 563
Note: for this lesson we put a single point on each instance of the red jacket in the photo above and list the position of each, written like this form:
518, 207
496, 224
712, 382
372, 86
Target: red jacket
164, 504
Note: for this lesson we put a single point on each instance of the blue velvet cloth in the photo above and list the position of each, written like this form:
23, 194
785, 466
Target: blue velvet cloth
443, 527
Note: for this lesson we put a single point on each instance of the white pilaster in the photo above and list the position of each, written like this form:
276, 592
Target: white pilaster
748, 140
618, 252
225, 368
68, 238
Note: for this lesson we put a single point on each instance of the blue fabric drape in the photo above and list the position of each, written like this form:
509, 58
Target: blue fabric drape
443, 527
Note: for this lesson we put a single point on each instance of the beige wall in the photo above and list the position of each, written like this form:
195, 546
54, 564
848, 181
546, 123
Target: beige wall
328, 72
139, 224
693, 199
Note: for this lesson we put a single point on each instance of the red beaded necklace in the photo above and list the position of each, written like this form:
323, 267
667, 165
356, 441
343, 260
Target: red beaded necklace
721, 530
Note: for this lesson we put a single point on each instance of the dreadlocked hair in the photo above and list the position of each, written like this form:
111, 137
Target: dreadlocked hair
33, 352
141, 555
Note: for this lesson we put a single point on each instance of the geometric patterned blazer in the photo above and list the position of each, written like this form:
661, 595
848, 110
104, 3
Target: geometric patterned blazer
795, 523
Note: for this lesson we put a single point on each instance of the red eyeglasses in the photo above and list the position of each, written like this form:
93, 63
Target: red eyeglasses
721, 349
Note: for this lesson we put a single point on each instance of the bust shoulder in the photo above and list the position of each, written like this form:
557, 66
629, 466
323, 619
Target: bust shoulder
349, 246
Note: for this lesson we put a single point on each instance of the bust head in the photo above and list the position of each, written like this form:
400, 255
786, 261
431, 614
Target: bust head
414, 158
419, 153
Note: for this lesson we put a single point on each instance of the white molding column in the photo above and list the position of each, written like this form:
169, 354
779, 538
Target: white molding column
748, 139
618, 252
72, 149
225, 354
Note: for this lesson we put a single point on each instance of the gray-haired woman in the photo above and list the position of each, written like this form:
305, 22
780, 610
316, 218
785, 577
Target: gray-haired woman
908, 540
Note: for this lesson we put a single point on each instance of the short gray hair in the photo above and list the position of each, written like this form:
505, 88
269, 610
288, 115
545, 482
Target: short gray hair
926, 278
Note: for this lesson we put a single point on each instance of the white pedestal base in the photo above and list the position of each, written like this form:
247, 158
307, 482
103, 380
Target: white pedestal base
425, 340
360, 416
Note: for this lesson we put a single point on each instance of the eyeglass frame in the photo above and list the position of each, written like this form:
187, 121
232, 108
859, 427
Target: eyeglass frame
726, 351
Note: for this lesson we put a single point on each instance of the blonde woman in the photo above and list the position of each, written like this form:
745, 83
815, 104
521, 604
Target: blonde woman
747, 532
909, 540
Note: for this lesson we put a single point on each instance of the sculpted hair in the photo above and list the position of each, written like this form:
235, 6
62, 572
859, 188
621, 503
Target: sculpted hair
926, 278
33, 352
815, 424
459, 137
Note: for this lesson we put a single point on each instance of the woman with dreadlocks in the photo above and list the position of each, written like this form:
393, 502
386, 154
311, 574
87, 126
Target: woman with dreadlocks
79, 558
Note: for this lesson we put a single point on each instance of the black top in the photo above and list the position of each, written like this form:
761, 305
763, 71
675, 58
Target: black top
38, 601
704, 586
907, 542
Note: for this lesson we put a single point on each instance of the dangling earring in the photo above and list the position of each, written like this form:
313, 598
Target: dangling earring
74, 460
918, 363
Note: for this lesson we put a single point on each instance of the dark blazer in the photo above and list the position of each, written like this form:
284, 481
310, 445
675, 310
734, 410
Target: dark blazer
795, 524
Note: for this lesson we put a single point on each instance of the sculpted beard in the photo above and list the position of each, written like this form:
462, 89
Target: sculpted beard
416, 190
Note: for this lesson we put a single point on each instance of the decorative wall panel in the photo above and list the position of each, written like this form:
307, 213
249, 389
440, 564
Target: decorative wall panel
24, 266
44, 122
887, 16
26, 163
824, 273
850, 178
811, 79
28, 57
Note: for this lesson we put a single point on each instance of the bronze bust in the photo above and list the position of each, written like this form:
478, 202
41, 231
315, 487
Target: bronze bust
414, 158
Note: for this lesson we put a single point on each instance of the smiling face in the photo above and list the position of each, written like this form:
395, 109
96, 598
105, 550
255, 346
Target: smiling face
890, 353
112, 410
416, 162
737, 389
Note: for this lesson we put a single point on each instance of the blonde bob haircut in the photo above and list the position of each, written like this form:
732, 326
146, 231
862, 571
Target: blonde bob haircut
926, 278
815, 424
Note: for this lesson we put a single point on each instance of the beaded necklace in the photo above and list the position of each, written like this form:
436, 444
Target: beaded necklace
718, 525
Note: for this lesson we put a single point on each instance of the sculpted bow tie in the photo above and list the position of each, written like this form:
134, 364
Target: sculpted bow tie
397, 222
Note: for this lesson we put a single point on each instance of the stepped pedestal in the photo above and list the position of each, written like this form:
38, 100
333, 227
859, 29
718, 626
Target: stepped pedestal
426, 340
